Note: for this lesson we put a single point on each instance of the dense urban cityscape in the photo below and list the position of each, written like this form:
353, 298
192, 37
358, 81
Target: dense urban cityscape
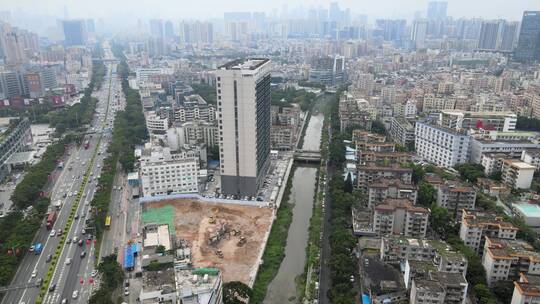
308, 154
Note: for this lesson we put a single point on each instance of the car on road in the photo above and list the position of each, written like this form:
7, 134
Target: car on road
80, 243
126, 291
64, 301
94, 273
53, 233
52, 287
49, 258
39, 281
75, 294
77, 216
32, 248
68, 241
83, 254
59, 232
68, 261
34, 273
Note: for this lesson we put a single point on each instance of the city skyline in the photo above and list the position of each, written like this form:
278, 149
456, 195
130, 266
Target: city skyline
210, 9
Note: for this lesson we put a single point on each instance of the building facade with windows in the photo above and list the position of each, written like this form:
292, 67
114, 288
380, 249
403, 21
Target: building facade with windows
164, 172
243, 98
441, 146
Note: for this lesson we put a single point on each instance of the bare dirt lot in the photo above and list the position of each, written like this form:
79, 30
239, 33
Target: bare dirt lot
211, 228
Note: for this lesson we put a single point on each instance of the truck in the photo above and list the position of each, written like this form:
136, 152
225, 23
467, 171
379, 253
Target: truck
38, 248
58, 204
51, 218
86, 144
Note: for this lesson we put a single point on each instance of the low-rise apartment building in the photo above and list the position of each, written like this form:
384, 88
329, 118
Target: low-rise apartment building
505, 259
476, 226
441, 146
400, 217
402, 132
193, 107
439, 288
510, 143
370, 172
526, 290
531, 157
383, 158
353, 113
517, 174
384, 188
286, 123
156, 123
455, 197
498, 121
15, 136
199, 286
164, 172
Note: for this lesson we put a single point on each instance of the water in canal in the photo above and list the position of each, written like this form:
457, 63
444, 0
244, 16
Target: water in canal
283, 288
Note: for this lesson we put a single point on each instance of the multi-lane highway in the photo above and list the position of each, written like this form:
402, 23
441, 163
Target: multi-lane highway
72, 269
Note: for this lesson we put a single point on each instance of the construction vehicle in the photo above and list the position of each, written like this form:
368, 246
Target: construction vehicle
241, 242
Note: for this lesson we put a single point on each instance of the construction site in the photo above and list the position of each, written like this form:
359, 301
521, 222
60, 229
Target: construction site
226, 236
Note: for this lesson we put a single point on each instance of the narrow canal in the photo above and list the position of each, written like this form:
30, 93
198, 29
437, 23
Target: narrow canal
283, 288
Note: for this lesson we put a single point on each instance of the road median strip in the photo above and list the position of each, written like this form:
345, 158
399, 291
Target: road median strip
61, 244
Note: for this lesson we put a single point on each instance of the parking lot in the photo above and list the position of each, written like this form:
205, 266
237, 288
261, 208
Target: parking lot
269, 189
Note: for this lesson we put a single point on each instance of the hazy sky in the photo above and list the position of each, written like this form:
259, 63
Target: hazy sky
206, 9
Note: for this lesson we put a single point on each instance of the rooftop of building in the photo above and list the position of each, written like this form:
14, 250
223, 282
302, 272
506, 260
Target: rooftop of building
192, 101
244, 64
449, 278
371, 166
405, 123
391, 182
163, 280
506, 249
422, 266
197, 285
519, 164
528, 289
443, 129
456, 186
477, 218
428, 285
157, 235
391, 204
533, 152
479, 113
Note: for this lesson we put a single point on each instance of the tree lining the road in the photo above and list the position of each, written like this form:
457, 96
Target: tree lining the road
112, 277
18, 227
129, 131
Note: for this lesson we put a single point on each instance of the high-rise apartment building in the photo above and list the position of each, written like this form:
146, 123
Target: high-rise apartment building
528, 47
508, 36
243, 98
418, 34
74, 32
489, 34
437, 9
16, 44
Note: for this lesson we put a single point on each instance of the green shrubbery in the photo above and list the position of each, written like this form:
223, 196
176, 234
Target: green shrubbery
274, 251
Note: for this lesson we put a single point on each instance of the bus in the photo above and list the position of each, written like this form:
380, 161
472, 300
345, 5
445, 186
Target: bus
108, 222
